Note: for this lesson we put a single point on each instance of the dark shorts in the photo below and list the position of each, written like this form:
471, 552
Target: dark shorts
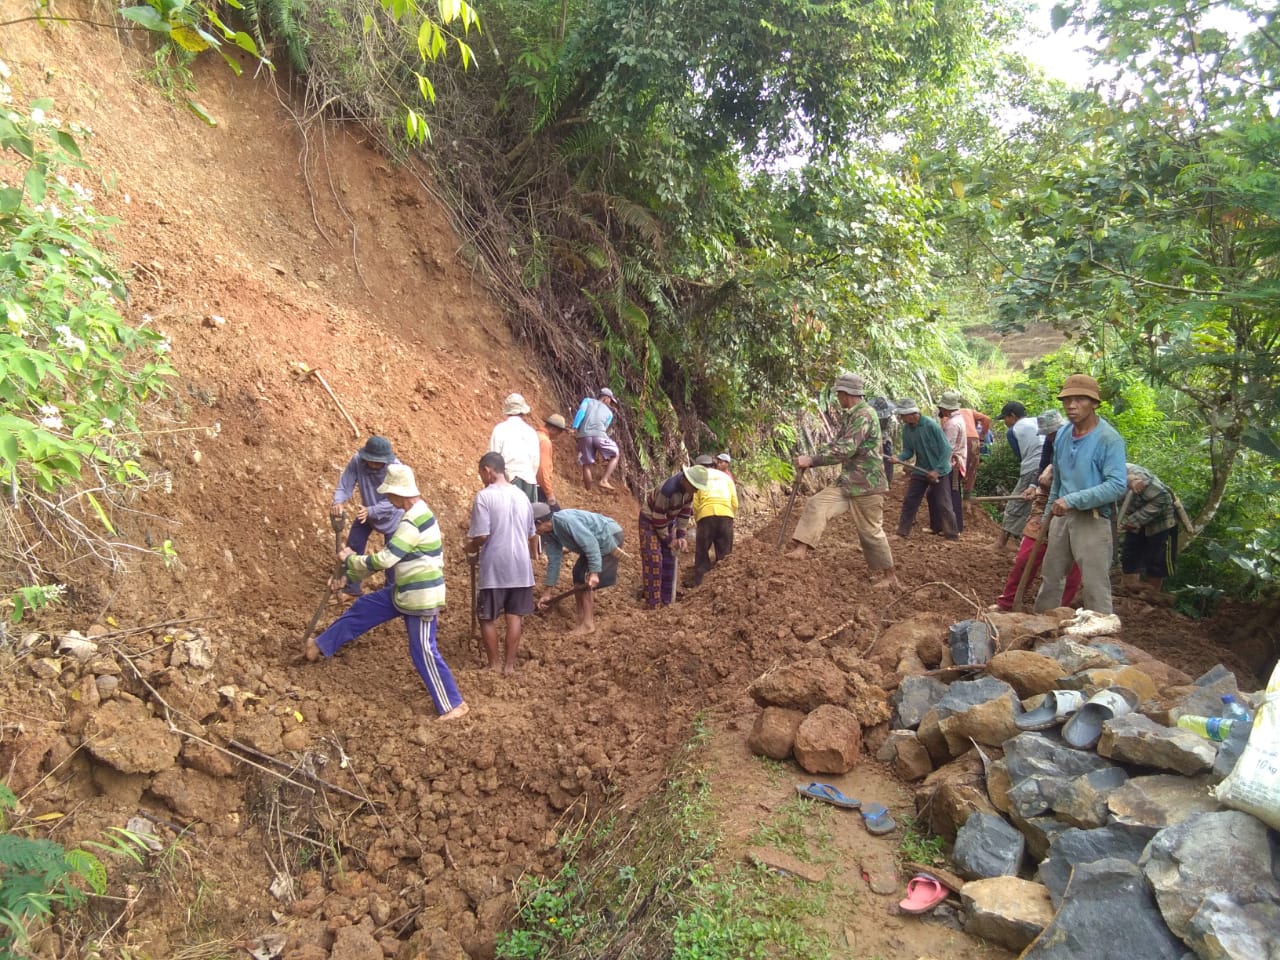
588, 447
608, 569
514, 601
1152, 554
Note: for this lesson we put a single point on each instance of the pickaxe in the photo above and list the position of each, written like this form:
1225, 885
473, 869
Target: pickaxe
337, 521
305, 371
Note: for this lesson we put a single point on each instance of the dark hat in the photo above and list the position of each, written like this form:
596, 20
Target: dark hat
851, 384
705, 460
1013, 409
377, 450
906, 407
540, 512
882, 407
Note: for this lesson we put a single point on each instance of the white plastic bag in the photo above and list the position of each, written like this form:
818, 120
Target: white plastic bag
1254, 785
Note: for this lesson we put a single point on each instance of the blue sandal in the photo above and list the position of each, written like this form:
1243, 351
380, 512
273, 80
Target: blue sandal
828, 794
877, 819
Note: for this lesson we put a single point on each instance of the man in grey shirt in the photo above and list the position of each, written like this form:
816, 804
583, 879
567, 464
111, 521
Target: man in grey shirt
1025, 441
501, 536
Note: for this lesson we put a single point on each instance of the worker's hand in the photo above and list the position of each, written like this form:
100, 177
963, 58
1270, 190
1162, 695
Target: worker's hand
1060, 507
344, 553
335, 510
553, 504
1029, 493
337, 583
804, 461
681, 544
934, 476
593, 580
544, 600
362, 514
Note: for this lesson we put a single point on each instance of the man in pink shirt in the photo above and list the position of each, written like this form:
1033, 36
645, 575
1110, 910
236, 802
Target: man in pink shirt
953, 428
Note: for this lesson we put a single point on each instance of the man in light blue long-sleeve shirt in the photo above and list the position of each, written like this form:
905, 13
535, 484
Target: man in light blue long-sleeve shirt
1088, 478
366, 472
597, 538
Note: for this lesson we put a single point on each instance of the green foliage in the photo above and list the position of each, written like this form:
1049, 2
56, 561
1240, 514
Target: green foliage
32, 599
918, 845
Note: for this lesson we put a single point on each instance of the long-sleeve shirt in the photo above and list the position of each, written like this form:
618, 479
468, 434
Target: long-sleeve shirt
579, 531
1152, 510
857, 448
416, 552
1088, 471
668, 505
1025, 442
926, 443
720, 499
546, 463
382, 515
1046, 452
976, 423
518, 444
953, 430
593, 418
1037, 518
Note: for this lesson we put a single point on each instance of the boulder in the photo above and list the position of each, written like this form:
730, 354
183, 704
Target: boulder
911, 760
930, 735
1106, 911
1039, 767
980, 709
1040, 832
1082, 801
951, 794
1074, 656
1014, 627
1027, 672
1161, 800
986, 846
774, 733
1005, 910
828, 740
902, 639
969, 642
122, 734
866, 701
1073, 847
1220, 930
1135, 739
802, 685
1228, 855
914, 698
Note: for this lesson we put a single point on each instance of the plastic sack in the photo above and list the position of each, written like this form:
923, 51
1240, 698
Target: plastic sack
1254, 785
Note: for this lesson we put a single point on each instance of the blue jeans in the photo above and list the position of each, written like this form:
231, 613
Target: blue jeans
373, 610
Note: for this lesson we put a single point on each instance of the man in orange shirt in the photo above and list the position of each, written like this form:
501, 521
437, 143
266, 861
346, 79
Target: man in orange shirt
551, 428
976, 425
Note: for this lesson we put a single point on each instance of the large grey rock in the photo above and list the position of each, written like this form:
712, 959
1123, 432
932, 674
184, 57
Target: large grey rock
986, 846
1226, 854
1005, 910
1075, 656
1220, 930
981, 710
1040, 767
1107, 911
1073, 847
1135, 739
965, 694
915, 697
1161, 800
970, 642
1082, 802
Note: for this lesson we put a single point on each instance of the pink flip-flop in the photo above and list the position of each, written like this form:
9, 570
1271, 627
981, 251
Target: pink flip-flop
923, 894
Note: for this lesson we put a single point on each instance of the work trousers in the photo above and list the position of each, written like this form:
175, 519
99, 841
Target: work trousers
941, 515
1018, 512
657, 568
1084, 539
357, 540
373, 610
956, 482
868, 518
712, 532
1031, 552
973, 450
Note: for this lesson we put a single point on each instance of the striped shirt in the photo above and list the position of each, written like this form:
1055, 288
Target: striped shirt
668, 504
1152, 510
417, 554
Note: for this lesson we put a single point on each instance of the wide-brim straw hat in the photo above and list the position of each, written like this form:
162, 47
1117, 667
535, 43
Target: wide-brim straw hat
514, 405
400, 481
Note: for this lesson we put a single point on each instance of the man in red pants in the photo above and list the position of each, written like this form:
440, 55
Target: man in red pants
1031, 552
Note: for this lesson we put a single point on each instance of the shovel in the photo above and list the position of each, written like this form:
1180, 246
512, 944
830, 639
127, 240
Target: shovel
552, 601
913, 468
791, 502
338, 522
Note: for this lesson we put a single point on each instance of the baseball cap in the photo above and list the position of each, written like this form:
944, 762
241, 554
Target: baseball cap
1013, 409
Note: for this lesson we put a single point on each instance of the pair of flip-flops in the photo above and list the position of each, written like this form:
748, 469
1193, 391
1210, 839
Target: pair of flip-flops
875, 816
1083, 718
924, 893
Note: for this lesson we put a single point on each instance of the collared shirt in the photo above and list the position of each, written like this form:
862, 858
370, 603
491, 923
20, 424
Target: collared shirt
518, 444
1152, 510
416, 552
976, 424
720, 499
666, 505
383, 517
546, 463
1025, 441
953, 430
1088, 471
927, 444
579, 531
503, 514
857, 448
593, 418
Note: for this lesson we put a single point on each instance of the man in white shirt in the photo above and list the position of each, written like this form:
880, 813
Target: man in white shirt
1023, 434
517, 442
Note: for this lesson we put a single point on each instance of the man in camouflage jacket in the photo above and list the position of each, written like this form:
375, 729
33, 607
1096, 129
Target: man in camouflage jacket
860, 488
1150, 526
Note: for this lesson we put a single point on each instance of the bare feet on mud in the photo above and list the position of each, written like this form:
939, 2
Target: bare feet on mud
797, 553
312, 652
582, 629
604, 485
886, 583
461, 710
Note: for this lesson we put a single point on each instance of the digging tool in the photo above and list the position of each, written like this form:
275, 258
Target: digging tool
552, 601
473, 561
791, 502
1182, 515
305, 371
913, 468
1041, 537
337, 522
1011, 496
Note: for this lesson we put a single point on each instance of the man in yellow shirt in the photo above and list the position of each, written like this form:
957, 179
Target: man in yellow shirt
714, 509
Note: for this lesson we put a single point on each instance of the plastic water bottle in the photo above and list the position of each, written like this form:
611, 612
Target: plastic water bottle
1234, 712
1211, 728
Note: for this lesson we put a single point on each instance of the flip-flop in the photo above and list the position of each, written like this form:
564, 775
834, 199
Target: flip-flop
1085, 729
828, 794
1057, 706
923, 894
877, 819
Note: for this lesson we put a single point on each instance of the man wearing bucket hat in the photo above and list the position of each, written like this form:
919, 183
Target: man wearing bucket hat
888, 427
923, 441
1088, 477
598, 541
1047, 425
415, 552
551, 429
591, 423
365, 472
1025, 441
664, 527
860, 488
953, 428
517, 443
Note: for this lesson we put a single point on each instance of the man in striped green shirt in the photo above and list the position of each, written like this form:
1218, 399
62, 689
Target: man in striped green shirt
416, 553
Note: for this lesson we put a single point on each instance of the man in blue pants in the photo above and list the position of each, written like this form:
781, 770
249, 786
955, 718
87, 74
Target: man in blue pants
417, 594
365, 472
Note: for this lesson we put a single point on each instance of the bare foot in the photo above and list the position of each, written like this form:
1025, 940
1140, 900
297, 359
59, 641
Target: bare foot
508, 671
605, 485
461, 710
312, 652
886, 583
496, 668
798, 553
582, 629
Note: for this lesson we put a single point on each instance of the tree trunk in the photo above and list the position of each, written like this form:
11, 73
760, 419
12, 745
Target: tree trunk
1222, 460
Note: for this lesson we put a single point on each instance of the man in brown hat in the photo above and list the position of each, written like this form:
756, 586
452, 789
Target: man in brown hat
550, 430
860, 488
1088, 477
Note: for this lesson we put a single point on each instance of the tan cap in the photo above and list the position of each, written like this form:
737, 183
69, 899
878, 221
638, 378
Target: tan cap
1080, 385
400, 481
